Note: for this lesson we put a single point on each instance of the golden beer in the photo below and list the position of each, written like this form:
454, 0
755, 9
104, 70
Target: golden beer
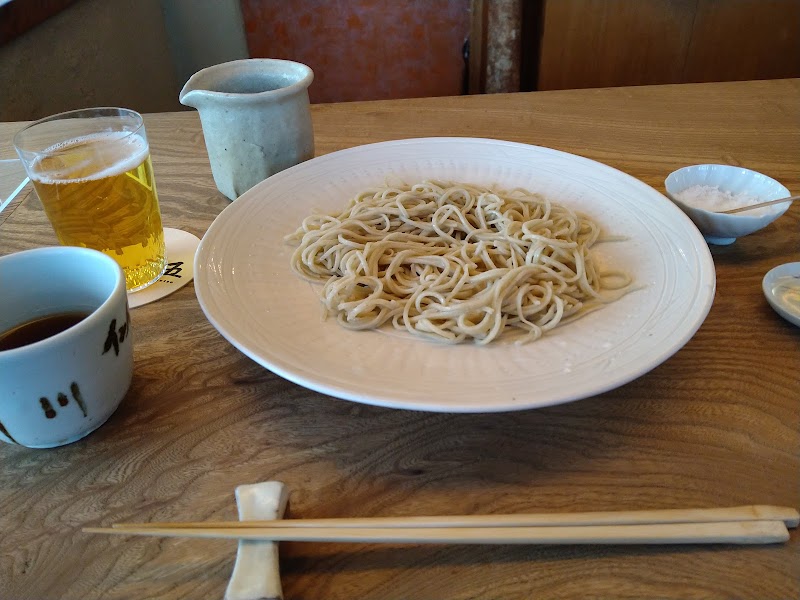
98, 191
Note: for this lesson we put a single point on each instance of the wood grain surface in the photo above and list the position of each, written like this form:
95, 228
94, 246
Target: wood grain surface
718, 424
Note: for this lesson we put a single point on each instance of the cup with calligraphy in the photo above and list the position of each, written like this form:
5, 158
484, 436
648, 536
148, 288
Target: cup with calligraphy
66, 351
91, 169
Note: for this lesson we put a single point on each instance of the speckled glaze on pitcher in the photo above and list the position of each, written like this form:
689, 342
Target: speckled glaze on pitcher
255, 117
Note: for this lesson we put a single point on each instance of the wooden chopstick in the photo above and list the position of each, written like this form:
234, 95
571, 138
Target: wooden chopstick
727, 532
789, 516
733, 211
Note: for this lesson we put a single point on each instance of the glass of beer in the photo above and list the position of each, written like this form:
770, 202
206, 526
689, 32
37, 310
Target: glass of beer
92, 171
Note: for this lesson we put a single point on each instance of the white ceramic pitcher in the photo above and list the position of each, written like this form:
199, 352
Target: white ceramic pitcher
255, 117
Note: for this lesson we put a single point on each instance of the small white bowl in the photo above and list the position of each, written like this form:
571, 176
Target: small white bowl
782, 289
723, 229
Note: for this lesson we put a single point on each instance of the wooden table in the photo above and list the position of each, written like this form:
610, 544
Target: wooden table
717, 424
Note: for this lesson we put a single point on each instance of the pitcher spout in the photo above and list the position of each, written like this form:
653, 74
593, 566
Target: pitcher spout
252, 81
190, 96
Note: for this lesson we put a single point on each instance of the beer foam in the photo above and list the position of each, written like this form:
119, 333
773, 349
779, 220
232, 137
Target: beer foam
113, 153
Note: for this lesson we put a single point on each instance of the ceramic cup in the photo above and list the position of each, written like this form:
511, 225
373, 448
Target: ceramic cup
59, 389
256, 119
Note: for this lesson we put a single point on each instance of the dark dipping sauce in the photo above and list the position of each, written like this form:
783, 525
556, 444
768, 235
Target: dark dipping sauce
39, 329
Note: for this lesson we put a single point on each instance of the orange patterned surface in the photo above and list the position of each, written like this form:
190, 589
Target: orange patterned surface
365, 49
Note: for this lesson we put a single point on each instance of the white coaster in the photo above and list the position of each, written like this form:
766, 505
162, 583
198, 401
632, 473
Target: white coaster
181, 246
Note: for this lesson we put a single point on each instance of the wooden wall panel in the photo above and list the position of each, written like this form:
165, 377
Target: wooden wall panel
17, 17
605, 43
365, 49
735, 40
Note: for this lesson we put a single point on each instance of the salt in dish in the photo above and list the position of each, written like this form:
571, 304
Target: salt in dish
714, 199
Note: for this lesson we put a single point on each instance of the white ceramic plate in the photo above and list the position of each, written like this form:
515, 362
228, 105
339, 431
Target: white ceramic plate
781, 287
249, 293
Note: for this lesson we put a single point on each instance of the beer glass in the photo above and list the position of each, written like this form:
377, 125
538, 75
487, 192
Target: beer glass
92, 171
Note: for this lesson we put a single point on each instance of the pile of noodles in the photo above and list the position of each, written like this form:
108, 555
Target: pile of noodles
452, 262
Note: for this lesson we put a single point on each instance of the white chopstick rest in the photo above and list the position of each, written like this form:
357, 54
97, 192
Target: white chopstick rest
256, 573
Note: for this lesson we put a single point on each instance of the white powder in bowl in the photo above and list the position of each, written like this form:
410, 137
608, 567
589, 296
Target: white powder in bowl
715, 200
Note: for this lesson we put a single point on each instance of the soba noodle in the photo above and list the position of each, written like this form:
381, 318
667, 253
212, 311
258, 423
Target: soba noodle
454, 262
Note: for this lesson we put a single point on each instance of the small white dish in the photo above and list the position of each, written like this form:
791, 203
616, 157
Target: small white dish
722, 229
781, 287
